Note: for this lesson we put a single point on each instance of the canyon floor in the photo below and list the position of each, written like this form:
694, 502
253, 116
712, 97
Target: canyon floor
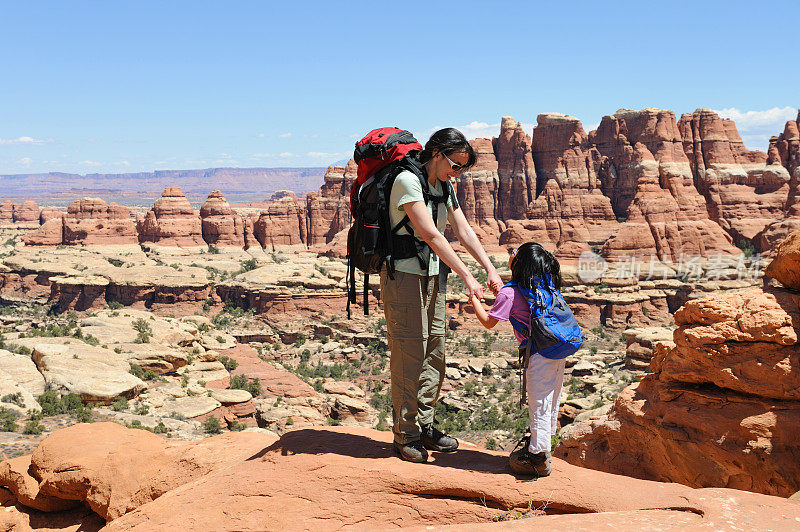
119, 345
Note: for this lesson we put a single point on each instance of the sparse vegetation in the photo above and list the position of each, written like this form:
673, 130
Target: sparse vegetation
241, 382
145, 332
229, 363
212, 426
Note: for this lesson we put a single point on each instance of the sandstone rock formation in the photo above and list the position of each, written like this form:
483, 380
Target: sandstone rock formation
7, 212
171, 222
50, 233
93, 221
48, 213
114, 469
642, 184
784, 150
515, 170
97, 375
476, 190
222, 227
785, 267
27, 212
648, 176
570, 207
744, 194
282, 223
720, 409
338, 478
329, 209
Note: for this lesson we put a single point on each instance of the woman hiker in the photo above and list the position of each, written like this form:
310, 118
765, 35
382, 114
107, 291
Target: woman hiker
414, 301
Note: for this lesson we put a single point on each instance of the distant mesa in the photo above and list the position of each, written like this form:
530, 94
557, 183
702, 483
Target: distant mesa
642, 183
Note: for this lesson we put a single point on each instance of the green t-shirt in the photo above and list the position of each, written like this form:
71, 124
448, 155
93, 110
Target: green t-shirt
406, 189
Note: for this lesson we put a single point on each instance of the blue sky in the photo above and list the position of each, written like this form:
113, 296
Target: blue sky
138, 86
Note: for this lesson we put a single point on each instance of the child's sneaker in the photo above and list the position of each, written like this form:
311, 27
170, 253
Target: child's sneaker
524, 462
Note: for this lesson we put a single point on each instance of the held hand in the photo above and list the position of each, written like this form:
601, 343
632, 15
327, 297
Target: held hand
474, 287
474, 301
495, 283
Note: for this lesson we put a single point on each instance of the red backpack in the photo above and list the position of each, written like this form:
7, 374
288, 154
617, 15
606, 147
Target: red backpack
381, 155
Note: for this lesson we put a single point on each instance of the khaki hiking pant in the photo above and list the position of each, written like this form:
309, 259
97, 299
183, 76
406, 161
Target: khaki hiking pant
414, 310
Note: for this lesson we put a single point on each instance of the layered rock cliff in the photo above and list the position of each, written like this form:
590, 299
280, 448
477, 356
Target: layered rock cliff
721, 408
784, 150
221, 226
89, 221
172, 221
743, 192
642, 184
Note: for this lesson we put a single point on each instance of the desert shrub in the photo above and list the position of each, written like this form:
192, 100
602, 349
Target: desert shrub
248, 265
8, 420
241, 382
119, 405
212, 426
229, 363
14, 398
33, 427
237, 426
143, 328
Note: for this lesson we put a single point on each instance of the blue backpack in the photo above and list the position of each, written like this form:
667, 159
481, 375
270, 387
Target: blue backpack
552, 331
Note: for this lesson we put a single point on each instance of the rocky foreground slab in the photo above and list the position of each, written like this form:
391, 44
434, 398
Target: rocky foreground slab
338, 478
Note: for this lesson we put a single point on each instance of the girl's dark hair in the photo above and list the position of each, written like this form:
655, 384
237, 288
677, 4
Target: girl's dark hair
531, 263
447, 141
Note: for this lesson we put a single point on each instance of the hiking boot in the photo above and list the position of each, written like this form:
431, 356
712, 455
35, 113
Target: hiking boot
435, 440
412, 451
524, 462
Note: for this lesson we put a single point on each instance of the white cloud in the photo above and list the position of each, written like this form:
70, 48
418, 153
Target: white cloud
91, 163
325, 155
286, 154
260, 135
24, 140
285, 135
752, 119
25, 161
262, 155
756, 127
122, 163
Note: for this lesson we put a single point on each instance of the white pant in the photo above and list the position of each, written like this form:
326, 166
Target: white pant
544, 379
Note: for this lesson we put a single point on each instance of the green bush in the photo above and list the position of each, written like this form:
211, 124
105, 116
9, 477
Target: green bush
212, 426
241, 382
137, 371
229, 363
248, 265
8, 420
236, 426
119, 405
33, 427
143, 328
14, 398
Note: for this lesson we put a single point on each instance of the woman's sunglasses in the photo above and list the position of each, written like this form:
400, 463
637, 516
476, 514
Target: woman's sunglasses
456, 167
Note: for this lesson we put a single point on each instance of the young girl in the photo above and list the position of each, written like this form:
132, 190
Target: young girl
531, 267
